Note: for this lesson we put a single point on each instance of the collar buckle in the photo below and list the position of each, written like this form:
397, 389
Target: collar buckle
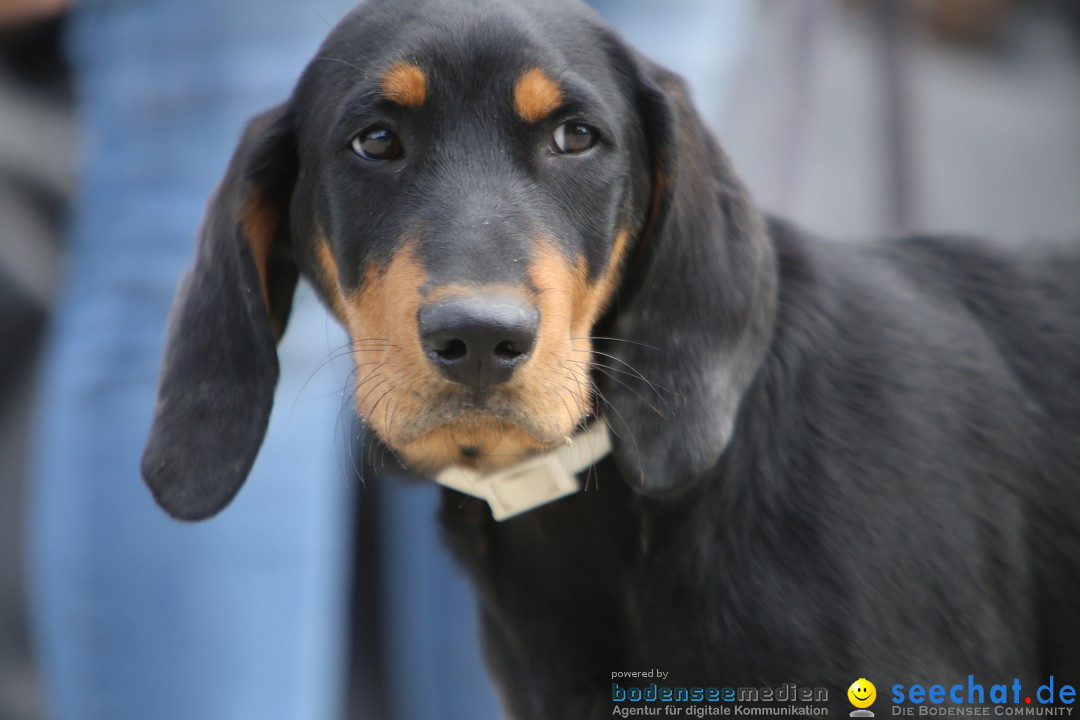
534, 481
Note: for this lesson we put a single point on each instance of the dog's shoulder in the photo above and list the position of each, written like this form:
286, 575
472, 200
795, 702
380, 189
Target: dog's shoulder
1024, 299
932, 344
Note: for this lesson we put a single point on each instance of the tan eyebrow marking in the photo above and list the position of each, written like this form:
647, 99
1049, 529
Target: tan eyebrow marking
404, 84
536, 95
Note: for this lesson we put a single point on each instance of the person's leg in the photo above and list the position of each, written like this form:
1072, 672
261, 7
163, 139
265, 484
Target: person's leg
138, 616
431, 636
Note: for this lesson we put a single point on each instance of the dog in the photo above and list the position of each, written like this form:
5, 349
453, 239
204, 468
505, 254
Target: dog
827, 461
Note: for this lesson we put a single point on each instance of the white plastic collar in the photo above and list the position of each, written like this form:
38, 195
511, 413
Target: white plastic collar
535, 481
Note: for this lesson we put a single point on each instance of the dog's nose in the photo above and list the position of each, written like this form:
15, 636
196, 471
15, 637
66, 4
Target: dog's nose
479, 340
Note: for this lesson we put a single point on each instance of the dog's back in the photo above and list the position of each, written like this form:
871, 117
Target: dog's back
1027, 300
941, 381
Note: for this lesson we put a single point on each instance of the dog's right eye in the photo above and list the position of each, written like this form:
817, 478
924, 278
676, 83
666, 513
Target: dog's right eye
377, 143
572, 138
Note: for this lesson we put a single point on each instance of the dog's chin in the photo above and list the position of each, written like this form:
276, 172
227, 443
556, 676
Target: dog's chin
483, 443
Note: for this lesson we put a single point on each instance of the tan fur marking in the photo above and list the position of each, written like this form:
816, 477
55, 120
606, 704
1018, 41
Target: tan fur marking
604, 288
392, 370
387, 303
397, 387
260, 225
569, 307
427, 419
536, 95
404, 84
562, 347
329, 275
498, 443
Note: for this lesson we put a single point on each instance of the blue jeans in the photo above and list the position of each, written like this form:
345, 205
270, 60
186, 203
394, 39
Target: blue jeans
138, 616
244, 616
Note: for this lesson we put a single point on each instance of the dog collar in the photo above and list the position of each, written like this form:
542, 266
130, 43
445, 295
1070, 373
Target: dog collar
534, 481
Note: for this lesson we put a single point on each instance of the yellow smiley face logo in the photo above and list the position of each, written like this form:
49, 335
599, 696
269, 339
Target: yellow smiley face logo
862, 693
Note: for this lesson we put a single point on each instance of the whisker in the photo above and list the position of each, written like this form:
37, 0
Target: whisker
632, 369
600, 396
577, 399
330, 59
568, 413
314, 372
368, 450
608, 370
390, 419
584, 400
372, 375
653, 386
377, 348
584, 376
611, 339
338, 432
348, 348
331, 355
592, 473
372, 389
638, 395
375, 407
626, 427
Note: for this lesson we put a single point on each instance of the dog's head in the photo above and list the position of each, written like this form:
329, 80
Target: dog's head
484, 194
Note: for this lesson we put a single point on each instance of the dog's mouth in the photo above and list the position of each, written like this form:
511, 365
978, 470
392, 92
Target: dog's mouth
479, 443
483, 437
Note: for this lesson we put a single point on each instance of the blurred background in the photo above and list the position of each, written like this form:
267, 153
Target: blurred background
855, 118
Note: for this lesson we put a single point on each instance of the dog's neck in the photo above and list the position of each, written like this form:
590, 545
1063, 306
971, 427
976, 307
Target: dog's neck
535, 481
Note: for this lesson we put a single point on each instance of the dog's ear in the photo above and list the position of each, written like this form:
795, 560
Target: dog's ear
696, 303
220, 364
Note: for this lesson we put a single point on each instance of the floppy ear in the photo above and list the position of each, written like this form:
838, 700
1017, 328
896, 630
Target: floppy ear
697, 300
220, 365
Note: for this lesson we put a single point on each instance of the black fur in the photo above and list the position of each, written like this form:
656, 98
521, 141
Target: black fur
220, 366
848, 460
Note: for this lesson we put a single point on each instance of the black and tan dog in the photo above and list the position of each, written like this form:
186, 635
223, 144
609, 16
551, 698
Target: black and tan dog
830, 461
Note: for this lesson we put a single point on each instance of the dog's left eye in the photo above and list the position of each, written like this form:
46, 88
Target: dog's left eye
572, 138
377, 143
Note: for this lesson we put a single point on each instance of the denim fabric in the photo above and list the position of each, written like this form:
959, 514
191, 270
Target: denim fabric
241, 617
138, 616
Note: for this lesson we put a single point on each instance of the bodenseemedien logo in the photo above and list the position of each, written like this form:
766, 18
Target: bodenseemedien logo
661, 699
